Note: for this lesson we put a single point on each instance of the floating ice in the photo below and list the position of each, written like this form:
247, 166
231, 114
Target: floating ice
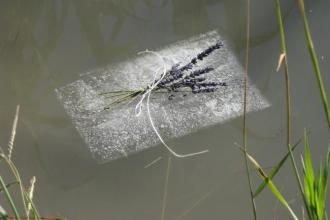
118, 132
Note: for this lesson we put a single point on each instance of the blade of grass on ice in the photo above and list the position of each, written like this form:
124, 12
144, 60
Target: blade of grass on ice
271, 185
274, 171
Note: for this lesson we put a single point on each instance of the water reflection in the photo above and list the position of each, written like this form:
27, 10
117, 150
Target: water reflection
33, 30
189, 18
102, 38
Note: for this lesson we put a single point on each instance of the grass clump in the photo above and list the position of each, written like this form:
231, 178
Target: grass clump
314, 189
315, 186
30, 210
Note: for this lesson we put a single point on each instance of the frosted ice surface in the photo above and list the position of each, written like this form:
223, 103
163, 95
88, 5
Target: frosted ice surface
118, 132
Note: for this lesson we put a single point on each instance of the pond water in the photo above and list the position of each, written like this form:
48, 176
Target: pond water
48, 44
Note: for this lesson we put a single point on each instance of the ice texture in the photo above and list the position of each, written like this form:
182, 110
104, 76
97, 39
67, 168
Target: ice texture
118, 132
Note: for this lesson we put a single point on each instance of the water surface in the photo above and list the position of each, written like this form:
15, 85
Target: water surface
47, 44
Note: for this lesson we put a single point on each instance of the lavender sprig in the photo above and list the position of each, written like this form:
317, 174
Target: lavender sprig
200, 72
208, 51
175, 72
177, 78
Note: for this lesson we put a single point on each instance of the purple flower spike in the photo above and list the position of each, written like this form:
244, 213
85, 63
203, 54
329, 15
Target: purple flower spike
178, 78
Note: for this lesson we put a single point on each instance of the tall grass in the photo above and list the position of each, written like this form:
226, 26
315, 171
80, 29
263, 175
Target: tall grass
247, 166
26, 195
288, 98
314, 190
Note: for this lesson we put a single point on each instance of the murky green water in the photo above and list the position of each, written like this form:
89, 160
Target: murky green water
47, 44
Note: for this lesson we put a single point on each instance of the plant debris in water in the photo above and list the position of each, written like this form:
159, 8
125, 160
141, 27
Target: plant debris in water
177, 79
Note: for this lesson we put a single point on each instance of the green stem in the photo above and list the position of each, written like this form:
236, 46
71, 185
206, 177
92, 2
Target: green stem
245, 110
315, 61
24, 195
288, 102
10, 200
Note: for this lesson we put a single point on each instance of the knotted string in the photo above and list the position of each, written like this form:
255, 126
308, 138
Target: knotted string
138, 109
139, 105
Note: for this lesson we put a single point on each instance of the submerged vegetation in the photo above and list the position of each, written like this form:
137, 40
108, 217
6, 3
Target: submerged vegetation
314, 190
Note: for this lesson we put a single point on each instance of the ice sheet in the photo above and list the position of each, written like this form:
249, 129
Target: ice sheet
118, 132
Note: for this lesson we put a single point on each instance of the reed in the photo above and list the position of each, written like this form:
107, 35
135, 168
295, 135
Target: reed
288, 100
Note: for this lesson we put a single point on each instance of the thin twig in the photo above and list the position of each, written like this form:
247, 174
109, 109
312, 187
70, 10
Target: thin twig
166, 189
245, 108
153, 162
199, 201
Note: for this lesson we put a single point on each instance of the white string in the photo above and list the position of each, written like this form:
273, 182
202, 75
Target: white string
139, 107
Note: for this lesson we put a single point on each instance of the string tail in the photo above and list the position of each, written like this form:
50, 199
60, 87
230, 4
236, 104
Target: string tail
138, 109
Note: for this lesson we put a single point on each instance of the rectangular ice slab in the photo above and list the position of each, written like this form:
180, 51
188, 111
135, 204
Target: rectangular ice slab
118, 132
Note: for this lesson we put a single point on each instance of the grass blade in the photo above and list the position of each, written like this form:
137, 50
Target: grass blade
323, 185
271, 185
24, 194
274, 171
309, 175
315, 62
245, 104
9, 198
315, 186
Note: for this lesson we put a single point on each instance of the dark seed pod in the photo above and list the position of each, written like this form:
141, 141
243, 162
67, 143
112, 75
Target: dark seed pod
193, 61
170, 97
186, 67
200, 72
222, 84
